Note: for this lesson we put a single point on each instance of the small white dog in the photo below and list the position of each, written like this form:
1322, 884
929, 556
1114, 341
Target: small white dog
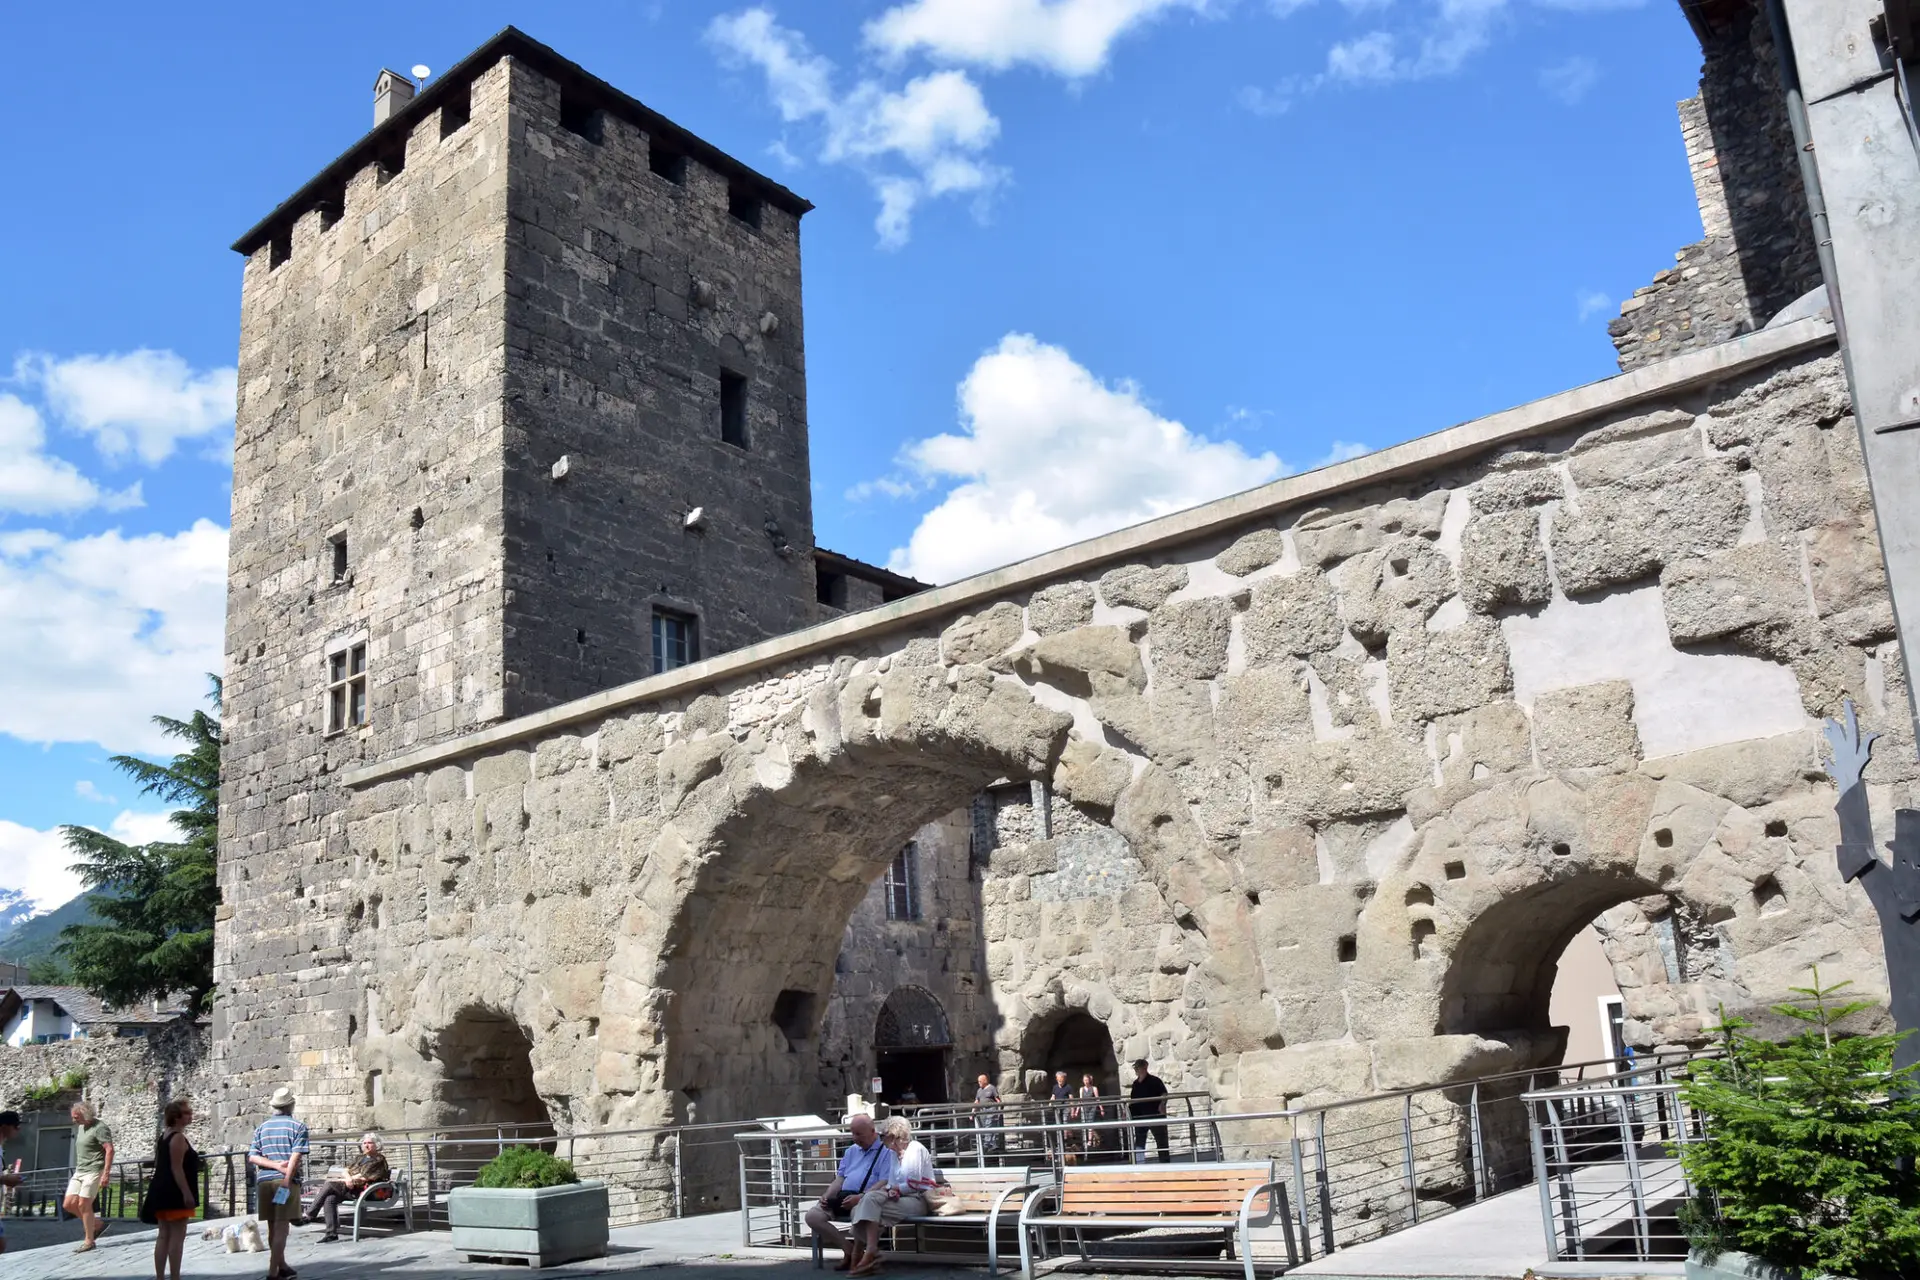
242, 1236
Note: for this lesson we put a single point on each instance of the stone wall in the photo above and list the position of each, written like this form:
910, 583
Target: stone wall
490, 293
1373, 750
129, 1082
1758, 253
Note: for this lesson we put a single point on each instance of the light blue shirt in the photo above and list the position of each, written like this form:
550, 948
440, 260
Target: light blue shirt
278, 1137
872, 1167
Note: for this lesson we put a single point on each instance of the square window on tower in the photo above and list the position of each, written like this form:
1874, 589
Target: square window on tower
676, 640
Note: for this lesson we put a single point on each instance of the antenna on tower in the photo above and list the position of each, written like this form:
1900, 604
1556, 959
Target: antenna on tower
421, 71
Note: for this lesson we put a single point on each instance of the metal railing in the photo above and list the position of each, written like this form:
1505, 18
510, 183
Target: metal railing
1604, 1157
1357, 1169
222, 1188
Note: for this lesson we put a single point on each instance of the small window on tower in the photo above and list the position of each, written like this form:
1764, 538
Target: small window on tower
744, 205
279, 247
347, 688
577, 115
902, 887
337, 551
830, 588
456, 110
666, 162
676, 640
733, 408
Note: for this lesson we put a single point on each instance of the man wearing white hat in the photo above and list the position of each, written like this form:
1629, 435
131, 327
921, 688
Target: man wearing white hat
279, 1145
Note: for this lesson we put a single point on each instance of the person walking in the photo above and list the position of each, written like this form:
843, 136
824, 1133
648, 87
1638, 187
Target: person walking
1089, 1113
173, 1196
279, 1146
987, 1113
92, 1169
9, 1130
1147, 1100
1059, 1113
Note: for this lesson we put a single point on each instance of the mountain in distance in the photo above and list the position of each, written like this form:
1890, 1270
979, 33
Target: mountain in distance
15, 908
25, 938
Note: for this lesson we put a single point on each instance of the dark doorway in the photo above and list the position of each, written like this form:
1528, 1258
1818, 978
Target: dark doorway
921, 1071
1078, 1044
911, 1042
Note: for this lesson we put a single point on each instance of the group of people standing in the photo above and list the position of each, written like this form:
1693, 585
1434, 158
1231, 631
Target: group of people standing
1146, 1100
277, 1154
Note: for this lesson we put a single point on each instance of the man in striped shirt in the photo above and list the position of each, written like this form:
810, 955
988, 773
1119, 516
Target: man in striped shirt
279, 1146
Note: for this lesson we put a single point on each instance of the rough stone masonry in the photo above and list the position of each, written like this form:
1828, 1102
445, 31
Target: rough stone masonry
1376, 741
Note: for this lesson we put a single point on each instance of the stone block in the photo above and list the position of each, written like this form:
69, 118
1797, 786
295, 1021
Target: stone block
1295, 616
1624, 450
1755, 585
1091, 776
1354, 777
1437, 673
1846, 567
1274, 859
1517, 490
1585, 726
1188, 639
1140, 586
1503, 563
1326, 539
1252, 551
979, 637
1396, 586
1624, 532
502, 769
1060, 607
1321, 1072
1084, 662
1429, 1060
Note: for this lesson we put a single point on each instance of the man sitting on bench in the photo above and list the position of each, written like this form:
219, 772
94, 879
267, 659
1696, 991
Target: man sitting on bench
867, 1163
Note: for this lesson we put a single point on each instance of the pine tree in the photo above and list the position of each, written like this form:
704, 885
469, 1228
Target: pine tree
1810, 1145
156, 900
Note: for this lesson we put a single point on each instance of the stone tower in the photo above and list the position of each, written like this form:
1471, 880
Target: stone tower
523, 418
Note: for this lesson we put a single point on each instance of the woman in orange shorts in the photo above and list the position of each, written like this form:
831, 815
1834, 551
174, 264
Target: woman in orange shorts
173, 1196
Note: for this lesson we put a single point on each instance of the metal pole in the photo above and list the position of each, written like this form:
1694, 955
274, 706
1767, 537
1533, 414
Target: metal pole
1635, 1187
1326, 1190
1406, 1137
1300, 1197
1540, 1180
746, 1213
679, 1185
1477, 1152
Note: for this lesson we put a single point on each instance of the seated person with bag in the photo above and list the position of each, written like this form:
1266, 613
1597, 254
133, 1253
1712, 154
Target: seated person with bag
903, 1195
359, 1173
867, 1163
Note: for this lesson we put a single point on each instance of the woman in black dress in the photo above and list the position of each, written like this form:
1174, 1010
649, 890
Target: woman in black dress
173, 1196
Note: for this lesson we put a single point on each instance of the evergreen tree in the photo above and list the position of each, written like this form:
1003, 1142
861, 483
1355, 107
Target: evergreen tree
1808, 1159
156, 900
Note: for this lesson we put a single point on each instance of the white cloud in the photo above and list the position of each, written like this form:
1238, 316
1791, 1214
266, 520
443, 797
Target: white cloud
38, 863
1369, 58
104, 631
1590, 303
1342, 451
925, 139
141, 402
1048, 455
33, 482
1072, 38
1570, 81
87, 791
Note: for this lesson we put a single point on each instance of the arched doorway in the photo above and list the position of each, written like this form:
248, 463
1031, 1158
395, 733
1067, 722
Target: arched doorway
912, 1043
1077, 1043
486, 1075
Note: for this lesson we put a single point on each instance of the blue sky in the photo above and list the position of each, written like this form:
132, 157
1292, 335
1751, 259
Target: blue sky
1074, 263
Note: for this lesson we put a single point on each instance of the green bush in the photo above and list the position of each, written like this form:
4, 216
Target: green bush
525, 1167
1810, 1147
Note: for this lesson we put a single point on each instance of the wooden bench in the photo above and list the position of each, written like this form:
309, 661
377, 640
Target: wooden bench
982, 1195
1114, 1199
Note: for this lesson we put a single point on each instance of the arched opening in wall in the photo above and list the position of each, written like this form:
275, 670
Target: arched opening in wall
1075, 1042
912, 1047
486, 1077
1532, 971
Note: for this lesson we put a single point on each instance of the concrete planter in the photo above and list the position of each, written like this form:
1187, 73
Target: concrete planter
542, 1226
1742, 1266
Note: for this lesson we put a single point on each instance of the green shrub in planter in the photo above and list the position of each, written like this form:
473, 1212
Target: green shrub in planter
1809, 1157
525, 1167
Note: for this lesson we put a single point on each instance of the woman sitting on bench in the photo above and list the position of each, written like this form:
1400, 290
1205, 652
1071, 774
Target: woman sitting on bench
901, 1197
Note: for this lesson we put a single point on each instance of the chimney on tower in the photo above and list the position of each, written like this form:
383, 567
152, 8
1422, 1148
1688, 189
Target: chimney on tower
391, 92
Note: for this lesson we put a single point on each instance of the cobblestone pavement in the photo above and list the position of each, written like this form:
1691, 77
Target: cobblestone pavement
126, 1253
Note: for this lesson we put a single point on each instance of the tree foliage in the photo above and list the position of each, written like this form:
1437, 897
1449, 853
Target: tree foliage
1810, 1146
155, 901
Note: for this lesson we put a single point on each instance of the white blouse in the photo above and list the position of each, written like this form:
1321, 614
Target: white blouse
913, 1172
